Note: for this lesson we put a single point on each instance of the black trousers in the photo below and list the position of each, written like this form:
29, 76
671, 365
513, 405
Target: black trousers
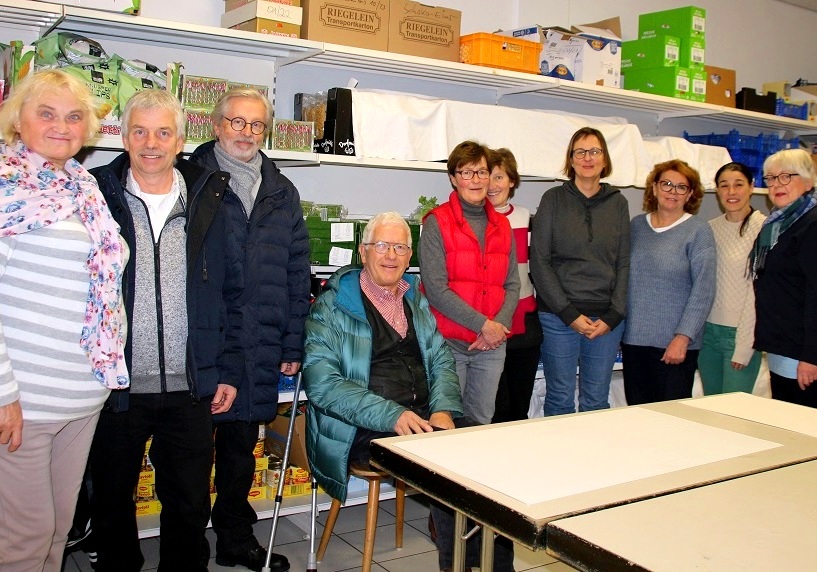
233, 517
647, 379
787, 389
182, 455
516, 384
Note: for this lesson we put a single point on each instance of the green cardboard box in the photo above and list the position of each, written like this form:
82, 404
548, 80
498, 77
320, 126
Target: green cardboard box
697, 90
332, 242
672, 81
686, 22
656, 52
693, 53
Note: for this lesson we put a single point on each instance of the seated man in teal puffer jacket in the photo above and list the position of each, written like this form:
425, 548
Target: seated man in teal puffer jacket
374, 363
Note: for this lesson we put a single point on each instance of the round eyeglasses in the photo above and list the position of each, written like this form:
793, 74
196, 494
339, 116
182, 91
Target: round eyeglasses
239, 123
468, 174
582, 153
782, 178
669, 186
382, 247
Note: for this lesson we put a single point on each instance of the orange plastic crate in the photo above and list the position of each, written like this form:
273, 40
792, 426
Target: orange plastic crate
505, 52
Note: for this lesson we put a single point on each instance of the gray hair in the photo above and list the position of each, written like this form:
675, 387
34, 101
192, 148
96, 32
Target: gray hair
390, 217
147, 99
796, 160
221, 105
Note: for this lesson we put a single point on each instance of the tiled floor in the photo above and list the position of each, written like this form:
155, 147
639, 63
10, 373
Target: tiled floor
345, 549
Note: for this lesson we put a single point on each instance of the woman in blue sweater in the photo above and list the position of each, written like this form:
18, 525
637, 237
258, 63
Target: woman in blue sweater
672, 286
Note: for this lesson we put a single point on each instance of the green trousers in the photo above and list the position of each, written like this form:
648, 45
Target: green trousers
715, 363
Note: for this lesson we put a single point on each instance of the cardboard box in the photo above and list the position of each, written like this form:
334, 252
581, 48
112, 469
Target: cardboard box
720, 86
420, 30
781, 88
671, 81
264, 9
686, 22
590, 53
277, 435
144, 508
271, 27
261, 463
650, 53
257, 493
147, 478
749, 99
693, 53
347, 22
233, 4
697, 90
338, 124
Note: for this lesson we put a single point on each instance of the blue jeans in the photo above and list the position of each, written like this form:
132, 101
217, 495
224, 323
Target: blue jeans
479, 378
562, 351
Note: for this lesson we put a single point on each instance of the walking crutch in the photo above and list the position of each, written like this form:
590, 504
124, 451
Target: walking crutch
279, 493
312, 560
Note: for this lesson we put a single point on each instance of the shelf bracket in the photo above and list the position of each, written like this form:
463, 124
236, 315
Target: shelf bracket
662, 115
502, 92
305, 55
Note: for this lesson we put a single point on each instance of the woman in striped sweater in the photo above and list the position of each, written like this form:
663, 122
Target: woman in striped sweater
522, 353
62, 324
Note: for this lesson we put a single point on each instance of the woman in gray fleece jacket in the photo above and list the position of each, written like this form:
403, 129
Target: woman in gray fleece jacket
580, 263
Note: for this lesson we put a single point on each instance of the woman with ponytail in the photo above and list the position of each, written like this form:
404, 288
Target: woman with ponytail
727, 361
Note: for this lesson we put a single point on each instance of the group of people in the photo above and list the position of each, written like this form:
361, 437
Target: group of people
154, 296
186, 283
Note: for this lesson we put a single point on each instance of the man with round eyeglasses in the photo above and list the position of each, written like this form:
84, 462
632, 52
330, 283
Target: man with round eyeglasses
267, 228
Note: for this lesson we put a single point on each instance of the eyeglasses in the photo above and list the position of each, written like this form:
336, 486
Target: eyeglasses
669, 186
782, 178
582, 153
468, 174
382, 247
239, 123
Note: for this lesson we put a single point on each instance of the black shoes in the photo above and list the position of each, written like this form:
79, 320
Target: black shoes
253, 558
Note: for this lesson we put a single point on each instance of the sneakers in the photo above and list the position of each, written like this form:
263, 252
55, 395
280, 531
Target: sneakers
76, 536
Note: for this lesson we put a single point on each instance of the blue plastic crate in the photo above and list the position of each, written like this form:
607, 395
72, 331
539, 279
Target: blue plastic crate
791, 110
751, 150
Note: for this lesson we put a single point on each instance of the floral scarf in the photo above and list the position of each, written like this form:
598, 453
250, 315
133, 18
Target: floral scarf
776, 224
34, 194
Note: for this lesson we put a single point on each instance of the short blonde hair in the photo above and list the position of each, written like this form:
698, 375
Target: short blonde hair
33, 87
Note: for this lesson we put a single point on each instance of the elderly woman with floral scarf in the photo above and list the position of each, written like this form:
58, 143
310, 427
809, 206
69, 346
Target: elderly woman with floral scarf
783, 264
62, 324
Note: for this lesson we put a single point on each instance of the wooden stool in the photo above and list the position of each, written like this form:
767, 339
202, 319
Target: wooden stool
374, 477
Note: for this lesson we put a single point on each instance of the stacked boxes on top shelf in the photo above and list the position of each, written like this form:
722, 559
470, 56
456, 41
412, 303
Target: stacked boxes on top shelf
589, 53
669, 56
273, 17
399, 26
